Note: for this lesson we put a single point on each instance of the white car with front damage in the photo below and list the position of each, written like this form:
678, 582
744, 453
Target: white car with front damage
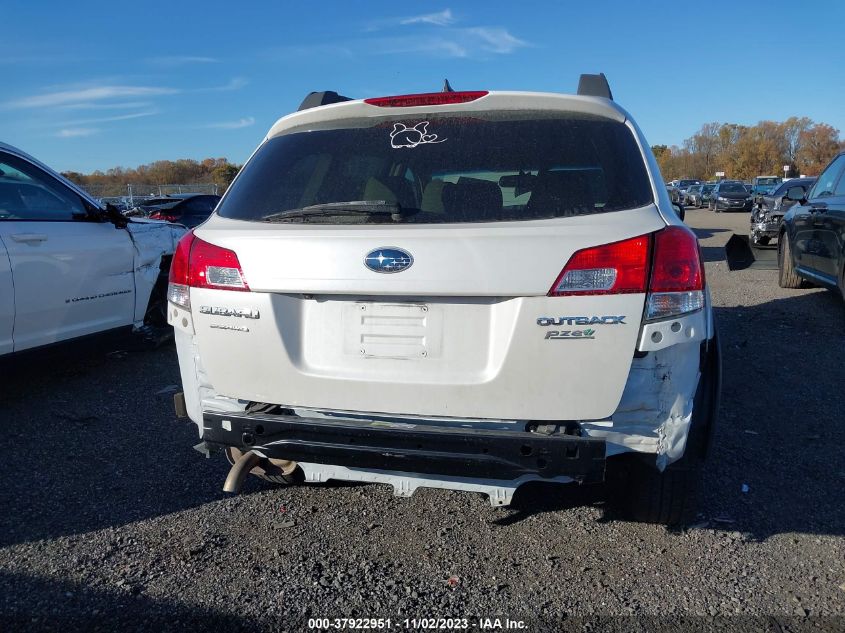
70, 268
463, 290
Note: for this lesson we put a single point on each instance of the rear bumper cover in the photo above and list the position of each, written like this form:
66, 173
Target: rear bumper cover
409, 448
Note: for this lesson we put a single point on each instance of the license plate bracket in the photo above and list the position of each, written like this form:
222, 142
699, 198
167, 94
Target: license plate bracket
392, 330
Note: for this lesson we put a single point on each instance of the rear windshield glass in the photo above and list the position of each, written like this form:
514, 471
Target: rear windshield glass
491, 167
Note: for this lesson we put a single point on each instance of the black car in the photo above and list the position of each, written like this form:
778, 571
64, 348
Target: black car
186, 209
811, 243
769, 210
706, 192
730, 195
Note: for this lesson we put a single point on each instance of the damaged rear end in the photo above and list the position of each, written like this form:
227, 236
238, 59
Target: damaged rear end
467, 292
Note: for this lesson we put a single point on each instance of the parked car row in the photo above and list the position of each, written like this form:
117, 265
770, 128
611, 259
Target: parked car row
694, 193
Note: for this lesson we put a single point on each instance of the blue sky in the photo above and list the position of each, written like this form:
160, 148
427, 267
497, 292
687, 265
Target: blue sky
92, 85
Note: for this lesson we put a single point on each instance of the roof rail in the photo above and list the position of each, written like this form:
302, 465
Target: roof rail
316, 99
594, 86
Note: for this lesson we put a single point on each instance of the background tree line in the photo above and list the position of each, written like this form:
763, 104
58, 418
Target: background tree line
185, 171
743, 152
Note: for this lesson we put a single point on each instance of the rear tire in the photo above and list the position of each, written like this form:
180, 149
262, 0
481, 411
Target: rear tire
787, 277
156, 314
642, 493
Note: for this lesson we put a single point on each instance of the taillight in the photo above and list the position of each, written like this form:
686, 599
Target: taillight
617, 268
677, 276
426, 99
675, 282
163, 216
198, 264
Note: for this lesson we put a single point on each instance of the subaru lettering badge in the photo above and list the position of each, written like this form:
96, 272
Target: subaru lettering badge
388, 260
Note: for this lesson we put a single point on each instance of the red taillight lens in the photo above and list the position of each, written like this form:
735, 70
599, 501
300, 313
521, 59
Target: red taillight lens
677, 265
675, 283
214, 267
179, 264
426, 99
163, 216
677, 276
617, 268
199, 264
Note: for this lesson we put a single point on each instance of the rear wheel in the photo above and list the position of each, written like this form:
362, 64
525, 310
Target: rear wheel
155, 331
642, 493
787, 277
156, 314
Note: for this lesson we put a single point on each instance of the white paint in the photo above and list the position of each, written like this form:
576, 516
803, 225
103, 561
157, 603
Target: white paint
60, 280
499, 492
76, 279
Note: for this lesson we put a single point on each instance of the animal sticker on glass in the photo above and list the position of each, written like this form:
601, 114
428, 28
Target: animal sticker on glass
403, 136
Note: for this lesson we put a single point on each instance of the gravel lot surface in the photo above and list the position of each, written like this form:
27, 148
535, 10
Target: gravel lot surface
113, 522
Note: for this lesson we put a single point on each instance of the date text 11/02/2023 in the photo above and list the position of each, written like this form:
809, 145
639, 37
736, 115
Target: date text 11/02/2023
427, 624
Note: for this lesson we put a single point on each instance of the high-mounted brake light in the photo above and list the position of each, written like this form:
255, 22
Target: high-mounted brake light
426, 99
617, 268
198, 264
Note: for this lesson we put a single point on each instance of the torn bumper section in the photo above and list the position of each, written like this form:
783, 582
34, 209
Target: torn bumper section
656, 410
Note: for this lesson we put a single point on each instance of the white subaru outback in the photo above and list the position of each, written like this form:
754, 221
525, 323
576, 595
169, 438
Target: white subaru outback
464, 290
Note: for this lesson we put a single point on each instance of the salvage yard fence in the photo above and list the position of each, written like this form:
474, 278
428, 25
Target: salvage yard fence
135, 192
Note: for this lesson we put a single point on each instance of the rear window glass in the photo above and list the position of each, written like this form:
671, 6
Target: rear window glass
485, 168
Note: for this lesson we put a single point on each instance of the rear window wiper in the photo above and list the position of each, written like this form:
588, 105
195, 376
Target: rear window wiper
354, 207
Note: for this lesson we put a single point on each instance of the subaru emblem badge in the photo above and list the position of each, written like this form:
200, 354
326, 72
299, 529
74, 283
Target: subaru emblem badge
388, 260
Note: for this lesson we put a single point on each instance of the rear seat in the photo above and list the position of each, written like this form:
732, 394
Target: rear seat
560, 193
469, 198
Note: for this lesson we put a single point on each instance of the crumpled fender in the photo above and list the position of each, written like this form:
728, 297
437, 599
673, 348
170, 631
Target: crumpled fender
152, 240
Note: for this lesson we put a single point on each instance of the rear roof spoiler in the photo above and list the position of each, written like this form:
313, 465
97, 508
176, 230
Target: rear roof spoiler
588, 86
594, 86
316, 99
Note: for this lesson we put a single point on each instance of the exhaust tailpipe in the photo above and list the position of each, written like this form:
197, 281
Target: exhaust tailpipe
240, 469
